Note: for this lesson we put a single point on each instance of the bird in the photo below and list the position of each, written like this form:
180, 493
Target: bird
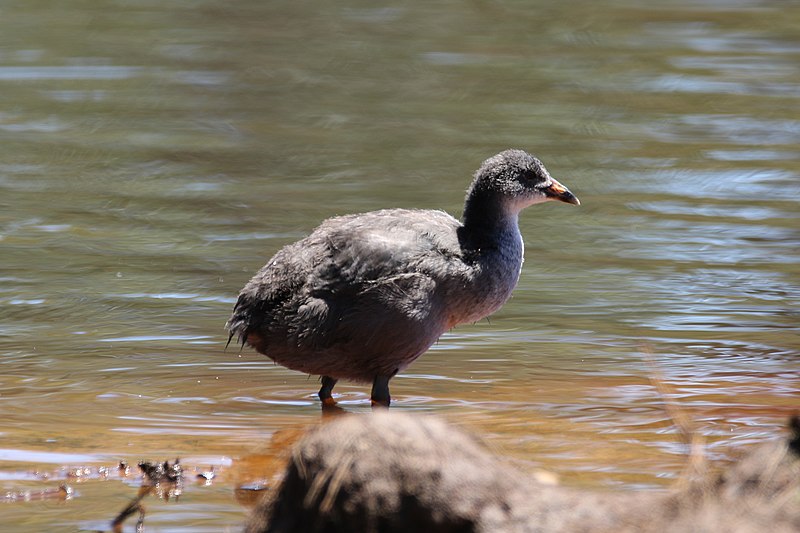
364, 295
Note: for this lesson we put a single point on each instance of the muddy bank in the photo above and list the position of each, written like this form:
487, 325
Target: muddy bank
395, 472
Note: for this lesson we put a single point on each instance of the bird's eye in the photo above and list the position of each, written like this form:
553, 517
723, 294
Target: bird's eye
533, 176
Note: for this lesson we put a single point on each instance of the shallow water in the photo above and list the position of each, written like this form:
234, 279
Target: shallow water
155, 155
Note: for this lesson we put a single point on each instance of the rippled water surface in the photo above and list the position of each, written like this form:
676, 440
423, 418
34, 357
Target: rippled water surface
153, 155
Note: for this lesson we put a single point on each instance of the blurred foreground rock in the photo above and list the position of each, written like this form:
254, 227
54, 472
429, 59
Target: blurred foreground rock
392, 472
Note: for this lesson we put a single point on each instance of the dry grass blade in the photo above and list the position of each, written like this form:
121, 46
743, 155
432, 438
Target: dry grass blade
697, 465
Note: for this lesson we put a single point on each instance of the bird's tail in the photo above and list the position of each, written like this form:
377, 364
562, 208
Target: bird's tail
238, 324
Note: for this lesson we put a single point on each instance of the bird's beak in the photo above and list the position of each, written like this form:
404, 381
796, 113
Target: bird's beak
556, 191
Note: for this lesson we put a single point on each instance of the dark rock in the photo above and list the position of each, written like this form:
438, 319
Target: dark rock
394, 472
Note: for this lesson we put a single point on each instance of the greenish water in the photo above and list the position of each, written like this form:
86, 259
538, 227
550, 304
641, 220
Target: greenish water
153, 155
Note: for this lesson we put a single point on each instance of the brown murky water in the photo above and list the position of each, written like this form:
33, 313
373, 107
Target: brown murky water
153, 155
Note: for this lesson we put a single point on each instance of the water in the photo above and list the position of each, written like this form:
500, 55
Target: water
154, 155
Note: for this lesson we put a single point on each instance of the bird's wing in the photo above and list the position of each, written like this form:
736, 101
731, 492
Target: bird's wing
380, 245
352, 264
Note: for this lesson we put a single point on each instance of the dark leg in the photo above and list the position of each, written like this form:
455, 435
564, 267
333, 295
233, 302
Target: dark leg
380, 392
325, 392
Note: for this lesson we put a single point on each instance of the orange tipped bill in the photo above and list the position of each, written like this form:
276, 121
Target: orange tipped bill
556, 191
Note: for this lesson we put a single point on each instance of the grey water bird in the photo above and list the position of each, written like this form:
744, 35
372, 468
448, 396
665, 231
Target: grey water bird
364, 295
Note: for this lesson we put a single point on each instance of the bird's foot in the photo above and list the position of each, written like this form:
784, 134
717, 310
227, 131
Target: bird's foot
326, 391
328, 402
380, 392
380, 404
331, 408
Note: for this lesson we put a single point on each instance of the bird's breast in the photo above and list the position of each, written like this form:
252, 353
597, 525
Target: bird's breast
491, 278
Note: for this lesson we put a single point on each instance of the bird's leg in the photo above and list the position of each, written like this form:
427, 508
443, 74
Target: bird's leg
325, 392
380, 392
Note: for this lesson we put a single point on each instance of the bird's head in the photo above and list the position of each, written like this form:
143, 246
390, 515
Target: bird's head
513, 180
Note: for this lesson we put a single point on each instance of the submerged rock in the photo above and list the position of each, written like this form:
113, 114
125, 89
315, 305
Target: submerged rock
391, 472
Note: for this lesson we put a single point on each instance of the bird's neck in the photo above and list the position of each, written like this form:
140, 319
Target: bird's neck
493, 250
488, 224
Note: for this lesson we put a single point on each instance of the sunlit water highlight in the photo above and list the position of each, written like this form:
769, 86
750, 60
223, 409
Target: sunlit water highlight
154, 156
